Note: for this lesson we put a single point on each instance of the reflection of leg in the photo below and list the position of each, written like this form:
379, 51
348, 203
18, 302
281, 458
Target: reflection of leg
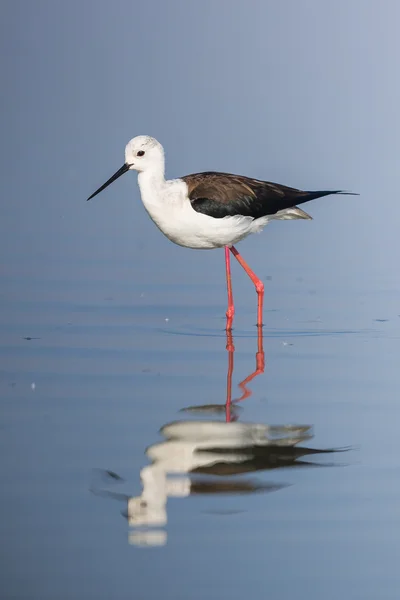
260, 357
260, 366
231, 308
257, 282
231, 349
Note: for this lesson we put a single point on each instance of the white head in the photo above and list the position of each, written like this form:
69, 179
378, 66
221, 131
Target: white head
142, 153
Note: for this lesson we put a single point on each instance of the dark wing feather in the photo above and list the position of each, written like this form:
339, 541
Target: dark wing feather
221, 194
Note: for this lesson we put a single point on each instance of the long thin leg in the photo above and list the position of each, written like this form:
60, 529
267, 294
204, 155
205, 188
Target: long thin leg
257, 282
231, 308
231, 351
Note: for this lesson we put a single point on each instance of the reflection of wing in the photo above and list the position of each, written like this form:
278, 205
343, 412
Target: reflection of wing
259, 458
236, 486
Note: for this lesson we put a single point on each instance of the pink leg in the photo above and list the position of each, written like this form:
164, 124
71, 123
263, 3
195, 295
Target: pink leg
257, 282
231, 308
260, 366
231, 350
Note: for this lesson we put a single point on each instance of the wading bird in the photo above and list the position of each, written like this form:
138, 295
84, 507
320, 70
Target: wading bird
210, 210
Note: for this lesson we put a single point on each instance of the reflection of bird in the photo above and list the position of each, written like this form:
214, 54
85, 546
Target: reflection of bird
194, 449
210, 210
193, 446
199, 457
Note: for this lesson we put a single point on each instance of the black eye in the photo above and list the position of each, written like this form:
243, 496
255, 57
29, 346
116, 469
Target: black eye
140, 153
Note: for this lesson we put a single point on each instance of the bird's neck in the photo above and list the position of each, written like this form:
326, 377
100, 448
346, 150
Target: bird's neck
154, 176
152, 185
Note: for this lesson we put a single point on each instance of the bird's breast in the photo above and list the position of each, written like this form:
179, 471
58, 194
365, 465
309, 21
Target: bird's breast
172, 212
180, 226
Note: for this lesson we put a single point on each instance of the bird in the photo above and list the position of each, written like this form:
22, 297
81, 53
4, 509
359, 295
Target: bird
211, 210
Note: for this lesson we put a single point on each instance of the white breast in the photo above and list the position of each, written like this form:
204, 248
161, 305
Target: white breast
169, 207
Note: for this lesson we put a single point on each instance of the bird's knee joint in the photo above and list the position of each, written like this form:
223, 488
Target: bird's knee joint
230, 313
259, 287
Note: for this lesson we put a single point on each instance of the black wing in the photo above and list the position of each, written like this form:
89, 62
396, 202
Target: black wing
220, 195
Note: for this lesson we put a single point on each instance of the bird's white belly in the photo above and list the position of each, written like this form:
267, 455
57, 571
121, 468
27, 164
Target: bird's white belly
191, 229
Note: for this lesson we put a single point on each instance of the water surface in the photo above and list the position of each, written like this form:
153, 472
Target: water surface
120, 458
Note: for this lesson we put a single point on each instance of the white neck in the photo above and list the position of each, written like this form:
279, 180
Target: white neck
151, 183
152, 186
164, 201
155, 176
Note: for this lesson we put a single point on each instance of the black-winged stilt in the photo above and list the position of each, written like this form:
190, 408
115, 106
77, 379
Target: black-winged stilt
210, 210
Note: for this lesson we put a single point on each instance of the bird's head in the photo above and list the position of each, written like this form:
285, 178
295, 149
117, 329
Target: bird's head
142, 153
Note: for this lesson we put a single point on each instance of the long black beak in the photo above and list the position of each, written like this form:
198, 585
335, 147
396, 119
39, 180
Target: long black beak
120, 172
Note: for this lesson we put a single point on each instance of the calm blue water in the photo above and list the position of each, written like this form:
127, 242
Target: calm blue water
120, 475
233, 508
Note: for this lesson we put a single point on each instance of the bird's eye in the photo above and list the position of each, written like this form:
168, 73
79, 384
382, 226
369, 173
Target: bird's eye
140, 153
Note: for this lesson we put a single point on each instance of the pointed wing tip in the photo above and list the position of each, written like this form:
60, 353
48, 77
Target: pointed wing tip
344, 193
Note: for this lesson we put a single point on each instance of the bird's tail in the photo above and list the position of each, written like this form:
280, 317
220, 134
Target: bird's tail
294, 212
